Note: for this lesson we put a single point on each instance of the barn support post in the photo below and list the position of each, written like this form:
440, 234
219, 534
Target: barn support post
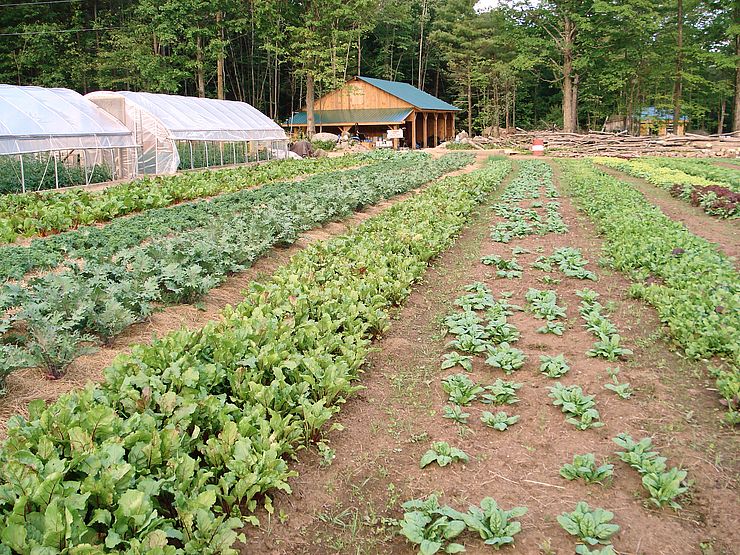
413, 131
426, 131
395, 141
436, 131
452, 135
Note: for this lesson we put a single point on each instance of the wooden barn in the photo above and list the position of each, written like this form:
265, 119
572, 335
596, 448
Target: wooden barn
379, 110
660, 122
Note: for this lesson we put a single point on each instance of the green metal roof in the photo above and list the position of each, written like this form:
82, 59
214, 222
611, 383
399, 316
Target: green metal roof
408, 93
350, 117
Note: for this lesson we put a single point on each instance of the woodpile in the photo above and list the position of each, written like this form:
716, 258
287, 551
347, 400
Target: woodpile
620, 145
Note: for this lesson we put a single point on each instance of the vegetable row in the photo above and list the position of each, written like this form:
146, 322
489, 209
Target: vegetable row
28, 214
700, 188
53, 319
695, 288
187, 435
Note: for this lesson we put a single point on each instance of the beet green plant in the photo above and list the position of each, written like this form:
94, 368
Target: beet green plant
584, 467
495, 525
443, 454
554, 366
499, 421
431, 527
591, 527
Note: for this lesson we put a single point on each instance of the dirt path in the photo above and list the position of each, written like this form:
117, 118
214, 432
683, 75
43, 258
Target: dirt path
723, 233
347, 506
730, 165
26, 385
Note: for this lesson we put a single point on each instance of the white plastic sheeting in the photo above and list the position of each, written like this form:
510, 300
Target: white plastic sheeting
35, 119
159, 120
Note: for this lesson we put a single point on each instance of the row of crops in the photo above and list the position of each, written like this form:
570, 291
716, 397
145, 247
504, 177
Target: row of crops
39, 170
123, 271
26, 215
186, 436
715, 189
694, 287
484, 340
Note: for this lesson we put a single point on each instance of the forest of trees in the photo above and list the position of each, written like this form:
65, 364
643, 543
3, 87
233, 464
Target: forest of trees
530, 64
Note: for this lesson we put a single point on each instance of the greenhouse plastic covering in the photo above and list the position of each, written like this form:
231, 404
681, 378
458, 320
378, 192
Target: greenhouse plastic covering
36, 119
158, 120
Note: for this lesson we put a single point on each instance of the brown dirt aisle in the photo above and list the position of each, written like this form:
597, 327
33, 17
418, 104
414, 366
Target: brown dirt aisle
26, 385
346, 507
723, 233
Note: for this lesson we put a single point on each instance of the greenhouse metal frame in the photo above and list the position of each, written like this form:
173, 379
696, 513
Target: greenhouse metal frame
171, 128
67, 128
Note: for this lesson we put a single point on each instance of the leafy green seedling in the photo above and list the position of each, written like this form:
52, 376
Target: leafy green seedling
454, 359
580, 409
664, 487
606, 550
456, 414
461, 389
495, 525
443, 454
499, 421
609, 348
584, 467
506, 357
554, 366
431, 527
623, 390
501, 392
556, 328
591, 527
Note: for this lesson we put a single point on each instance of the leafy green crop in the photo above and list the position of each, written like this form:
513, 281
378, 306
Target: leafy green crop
495, 525
431, 527
623, 390
443, 454
456, 414
505, 268
556, 328
453, 359
543, 304
554, 366
592, 527
461, 389
584, 467
506, 357
499, 421
501, 392
580, 409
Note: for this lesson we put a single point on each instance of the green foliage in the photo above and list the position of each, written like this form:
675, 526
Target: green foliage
506, 357
501, 392
554, 366
443, 454
664, 486
609, 348
494, 525
499, 421
590, 526
505, 268
431, 527
187, 436
580, 409
461, 389
456, 414
12, 358
569, 260
543, 304
585, 468
556, 328
453, 359
323, 145
622, 390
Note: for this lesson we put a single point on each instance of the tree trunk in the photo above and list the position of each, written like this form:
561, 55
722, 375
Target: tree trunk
678, 83
721, 121
220, 61
574, 104
199, 69
568, 88
310, 122
736, 108
419, 82
470, 105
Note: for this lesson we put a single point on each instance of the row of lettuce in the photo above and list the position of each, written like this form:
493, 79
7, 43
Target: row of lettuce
51, 319
29, 214
187, 436
694, 287
713, 188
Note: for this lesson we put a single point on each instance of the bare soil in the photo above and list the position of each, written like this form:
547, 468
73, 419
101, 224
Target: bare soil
348, 505
725, 234
27, 385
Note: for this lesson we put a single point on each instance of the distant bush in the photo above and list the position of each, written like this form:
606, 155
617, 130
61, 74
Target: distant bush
324, 145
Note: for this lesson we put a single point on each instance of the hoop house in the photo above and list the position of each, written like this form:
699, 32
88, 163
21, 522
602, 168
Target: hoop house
188, 132
53, 137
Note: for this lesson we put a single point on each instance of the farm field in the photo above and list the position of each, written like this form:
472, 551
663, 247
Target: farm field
483, 358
